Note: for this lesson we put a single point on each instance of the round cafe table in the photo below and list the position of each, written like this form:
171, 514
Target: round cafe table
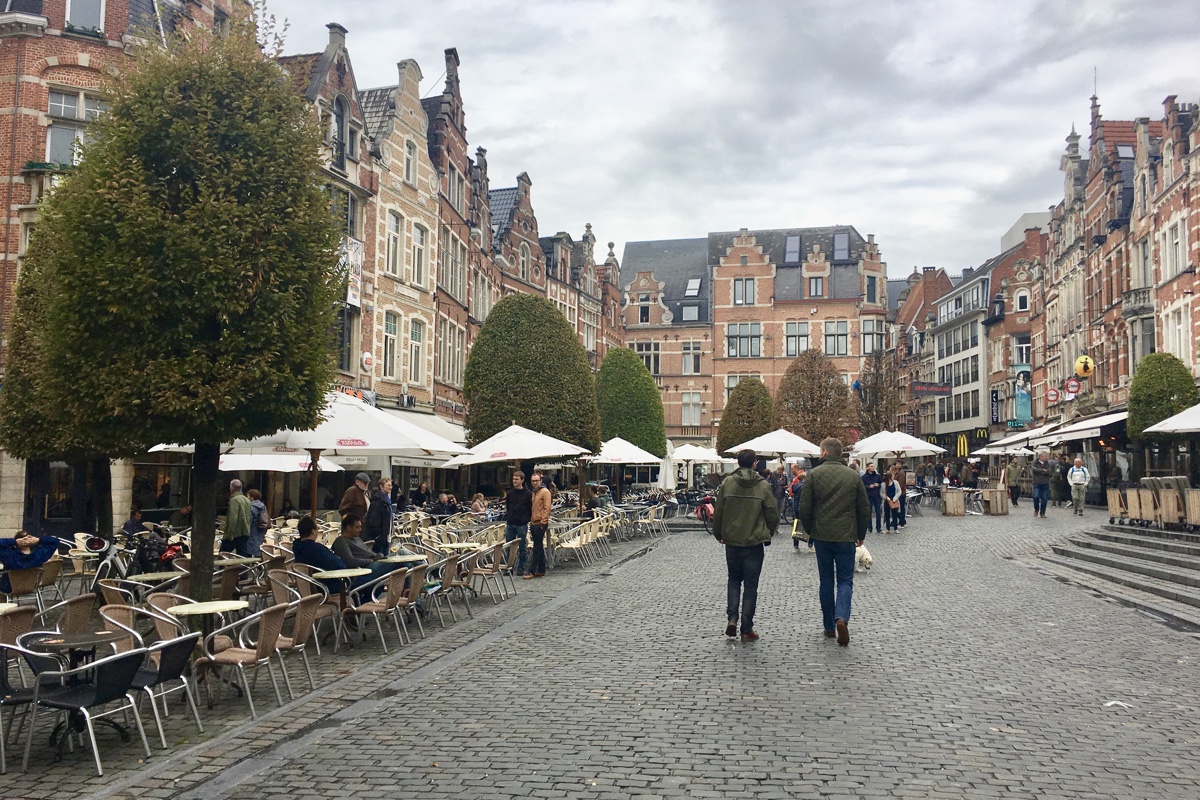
240, 561
155, 578
402, 559
206, 611
7, 607
461, 546
343, 577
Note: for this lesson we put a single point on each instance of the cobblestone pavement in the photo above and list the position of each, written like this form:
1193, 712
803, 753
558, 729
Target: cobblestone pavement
968, 675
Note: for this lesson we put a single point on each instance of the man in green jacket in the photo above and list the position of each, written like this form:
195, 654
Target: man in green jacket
744, 520
836, 514
1012, 479
237, 522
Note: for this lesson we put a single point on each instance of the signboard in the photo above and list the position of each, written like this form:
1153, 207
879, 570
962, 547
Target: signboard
1073, 386
1052, 395
961, 444
1023, 410
920, 389
1084, 366
995, 406
352, 262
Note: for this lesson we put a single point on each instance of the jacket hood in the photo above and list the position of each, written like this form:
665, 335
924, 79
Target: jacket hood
747, 477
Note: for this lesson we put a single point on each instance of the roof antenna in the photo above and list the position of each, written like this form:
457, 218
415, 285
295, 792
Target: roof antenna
1095, 81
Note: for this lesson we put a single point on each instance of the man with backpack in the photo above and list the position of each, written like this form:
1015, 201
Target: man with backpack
1077, 478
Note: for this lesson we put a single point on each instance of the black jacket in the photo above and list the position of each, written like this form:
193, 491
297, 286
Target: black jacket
518, 506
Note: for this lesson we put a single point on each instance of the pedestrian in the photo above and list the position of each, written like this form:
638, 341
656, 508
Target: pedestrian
1077, 478
260, 521
902, 479
965, 476
855, 466
891, 502
835, 512
744, 520
237, 522
1062, 486
873, 483
779, 488
518, 505
939, 472
1041, 484
377, 527
928, 474
539, 521
354, 500
797, 486
1012, 477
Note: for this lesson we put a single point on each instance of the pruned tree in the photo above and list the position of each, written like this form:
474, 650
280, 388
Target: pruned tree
877, 394
527, 366
630, 404
188, 266
813, 401
1162, 386
746, 415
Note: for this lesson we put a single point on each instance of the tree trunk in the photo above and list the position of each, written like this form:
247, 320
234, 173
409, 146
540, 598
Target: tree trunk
102, 496
204, 517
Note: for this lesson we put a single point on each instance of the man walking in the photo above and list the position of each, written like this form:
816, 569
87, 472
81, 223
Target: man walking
355, 501
518, 505
237, 522
744, 521
1041, 484
1077, 478
539, 521
1012, 478
835, 512
872, 480
779, 488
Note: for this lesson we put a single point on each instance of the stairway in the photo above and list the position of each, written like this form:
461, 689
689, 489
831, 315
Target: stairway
1153, 570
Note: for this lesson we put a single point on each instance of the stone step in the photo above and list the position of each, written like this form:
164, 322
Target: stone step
1188, 559
1184, 577
1182, 536
1169, 590
1176, 613
1132, 537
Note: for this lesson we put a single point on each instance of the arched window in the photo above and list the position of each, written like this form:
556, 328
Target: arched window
339, 133
1021, 300
524, 262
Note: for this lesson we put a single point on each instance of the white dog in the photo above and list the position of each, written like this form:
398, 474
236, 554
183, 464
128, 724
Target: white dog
862, 559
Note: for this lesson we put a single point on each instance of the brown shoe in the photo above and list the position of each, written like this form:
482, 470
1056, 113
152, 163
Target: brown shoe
843, 632
749, 636
830, 634
731, 628
529, 576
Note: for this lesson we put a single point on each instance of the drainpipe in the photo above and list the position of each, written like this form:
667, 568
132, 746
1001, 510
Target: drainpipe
12, 168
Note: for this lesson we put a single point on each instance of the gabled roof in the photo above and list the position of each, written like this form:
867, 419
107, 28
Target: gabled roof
378, 107
503, 203
894, 287
774, 242
674, 262
301, 69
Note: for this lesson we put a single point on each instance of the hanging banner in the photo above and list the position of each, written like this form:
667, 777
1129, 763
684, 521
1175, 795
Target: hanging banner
1022, 392
995, 406
352, 263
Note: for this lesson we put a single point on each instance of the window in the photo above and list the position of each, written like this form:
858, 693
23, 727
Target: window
649, 354
451, 352
345, 338
1175, 260
410, 162
415, 359
690, 313
974, 334
693, 288
339, 133
872, 290
352, 144
66, 134
795, 338
456, 189
643, 308
745, 260
731, 382
391, 327
345, 210
1021, 349
64, 105
955, 342
837, 338
395, 232
841, 247
419, 238
941, 345
958, 406
743, 291
691, 409
872, 335
1021, 301
85, 15
956, 373
816, 287
452, 271
691, 358
974, 368
1147, 271
975, 403
743, 339
792, 250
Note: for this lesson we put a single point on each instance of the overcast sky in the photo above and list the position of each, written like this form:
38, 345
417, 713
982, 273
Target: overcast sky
933, 125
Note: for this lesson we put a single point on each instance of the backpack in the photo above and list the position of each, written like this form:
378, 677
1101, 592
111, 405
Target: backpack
264, 519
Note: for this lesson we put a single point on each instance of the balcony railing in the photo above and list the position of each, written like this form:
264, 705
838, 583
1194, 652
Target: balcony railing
692, 430
1137, 303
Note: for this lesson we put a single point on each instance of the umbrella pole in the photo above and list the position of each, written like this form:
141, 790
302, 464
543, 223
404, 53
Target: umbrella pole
315, 456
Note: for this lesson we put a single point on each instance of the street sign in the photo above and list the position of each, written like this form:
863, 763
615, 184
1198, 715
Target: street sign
1052, 395
924, 389
995, 406
1073, 386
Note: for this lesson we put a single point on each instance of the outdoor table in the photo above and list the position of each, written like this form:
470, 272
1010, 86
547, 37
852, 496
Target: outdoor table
155, 578
7, 607
409, 559
205, 612
343, 576
460, 546
240, 561
78, 647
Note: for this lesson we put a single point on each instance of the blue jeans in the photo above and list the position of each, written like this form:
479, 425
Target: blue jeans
1041, 496
876, 512
835, 564
745, 566
517, 532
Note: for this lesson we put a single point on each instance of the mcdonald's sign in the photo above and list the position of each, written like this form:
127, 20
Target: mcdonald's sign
960, 445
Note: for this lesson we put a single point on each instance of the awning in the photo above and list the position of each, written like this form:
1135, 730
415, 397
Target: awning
1019, 439
432, 423
1084, 428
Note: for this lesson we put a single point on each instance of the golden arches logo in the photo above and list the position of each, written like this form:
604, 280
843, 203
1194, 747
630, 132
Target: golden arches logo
964, 447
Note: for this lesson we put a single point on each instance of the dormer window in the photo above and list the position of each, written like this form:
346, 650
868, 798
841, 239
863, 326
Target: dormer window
791, 253
693, 288
85, 15
841, 247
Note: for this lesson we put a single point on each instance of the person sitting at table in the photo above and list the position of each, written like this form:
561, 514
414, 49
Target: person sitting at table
133, 525
307, 550
351, 550
452, 503
593, 503
479, 504
181, 518
419, 496
25, 551
442, 507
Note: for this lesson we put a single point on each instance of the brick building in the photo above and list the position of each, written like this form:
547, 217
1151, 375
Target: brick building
915, 363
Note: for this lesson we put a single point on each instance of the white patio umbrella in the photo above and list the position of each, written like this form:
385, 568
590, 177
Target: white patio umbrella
779, 442
1187, 421
666, 470
690, 453
515, 444
296, 461
618, 451
894, 443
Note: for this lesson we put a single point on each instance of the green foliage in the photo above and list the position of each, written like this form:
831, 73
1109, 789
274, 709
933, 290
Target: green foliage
878, 396
812, 401
630, 404
1162, 386
746, 415
528, 367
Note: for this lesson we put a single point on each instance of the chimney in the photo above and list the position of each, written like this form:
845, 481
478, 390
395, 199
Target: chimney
337, 35
966, 273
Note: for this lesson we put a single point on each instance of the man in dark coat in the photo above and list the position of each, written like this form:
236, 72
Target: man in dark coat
744, 520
